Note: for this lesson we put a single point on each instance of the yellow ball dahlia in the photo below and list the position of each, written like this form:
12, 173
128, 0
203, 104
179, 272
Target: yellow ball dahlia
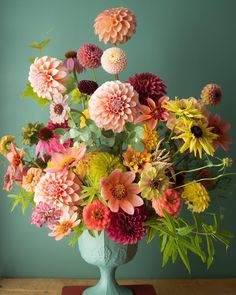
196, 197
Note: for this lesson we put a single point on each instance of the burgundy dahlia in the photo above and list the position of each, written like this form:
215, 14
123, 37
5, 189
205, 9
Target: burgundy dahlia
52, 126
127, 229
89, 55
87, 87
148, 86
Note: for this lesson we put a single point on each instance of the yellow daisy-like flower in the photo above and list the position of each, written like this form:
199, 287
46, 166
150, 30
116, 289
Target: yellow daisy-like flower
197, 137
188, 108
150, 138
5, 143
82, 118
196, 197
102, 164
135, 160
153, 183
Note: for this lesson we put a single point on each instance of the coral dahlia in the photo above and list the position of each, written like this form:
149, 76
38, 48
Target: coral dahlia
114, 60
148, 86
47, 77
120, 191
116, 25
89, 55
96, 216
113, 104
127, 229
211, 94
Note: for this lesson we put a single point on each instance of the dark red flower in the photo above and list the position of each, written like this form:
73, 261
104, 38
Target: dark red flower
87, 87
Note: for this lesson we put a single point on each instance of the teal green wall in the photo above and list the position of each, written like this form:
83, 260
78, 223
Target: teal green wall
187, 42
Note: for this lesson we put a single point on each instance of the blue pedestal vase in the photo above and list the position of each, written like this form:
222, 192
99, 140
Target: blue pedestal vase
107, 255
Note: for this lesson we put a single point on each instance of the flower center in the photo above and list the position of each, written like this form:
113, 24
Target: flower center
65, 226
45, 133
16, 160
216, 130
116, 105
119, 191
196, 131
97, 214
58, 109
155, 183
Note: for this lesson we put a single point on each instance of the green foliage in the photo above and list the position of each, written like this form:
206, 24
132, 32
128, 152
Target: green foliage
28, 92
77, 232
24, 198
178, 238
40, 45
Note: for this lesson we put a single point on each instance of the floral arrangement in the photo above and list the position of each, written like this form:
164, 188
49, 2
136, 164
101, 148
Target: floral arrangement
121, 156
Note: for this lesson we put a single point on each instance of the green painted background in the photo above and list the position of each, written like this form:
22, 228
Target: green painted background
187, 42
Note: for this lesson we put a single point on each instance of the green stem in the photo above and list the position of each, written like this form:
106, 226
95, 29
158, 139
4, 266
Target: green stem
79, 112
197, 169
116, 77
94, 75
75, 76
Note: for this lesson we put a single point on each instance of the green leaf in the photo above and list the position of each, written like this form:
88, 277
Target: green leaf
40, 45
184, 257
184, 231
151, 233
28, 92
74, 133
210, 250
168, 251
31, 59
92, 233
129, 126
163, 230
138, 146
108, 133
77, 233
163, 242
169, 218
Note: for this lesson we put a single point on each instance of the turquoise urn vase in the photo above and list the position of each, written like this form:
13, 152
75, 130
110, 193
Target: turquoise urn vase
107, 255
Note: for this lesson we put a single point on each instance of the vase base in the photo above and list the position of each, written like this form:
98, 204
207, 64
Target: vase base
137, 290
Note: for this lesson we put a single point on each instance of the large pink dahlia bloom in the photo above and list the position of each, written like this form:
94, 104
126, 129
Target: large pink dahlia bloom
60, 188
47, 77
120, 191
116, 25
127, 229
113, 104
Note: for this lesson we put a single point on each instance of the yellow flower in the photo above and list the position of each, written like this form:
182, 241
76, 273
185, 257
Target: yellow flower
153, 183
197, 137
82, 118
102, 164
5, 143
82, 167
196, 197
135, 160
150, 138
189, 108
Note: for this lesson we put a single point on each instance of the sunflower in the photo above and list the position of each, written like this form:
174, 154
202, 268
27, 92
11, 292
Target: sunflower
188, 108
197, 137
196, 197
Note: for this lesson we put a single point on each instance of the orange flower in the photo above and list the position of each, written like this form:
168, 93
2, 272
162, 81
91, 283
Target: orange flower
15, 158
31, 179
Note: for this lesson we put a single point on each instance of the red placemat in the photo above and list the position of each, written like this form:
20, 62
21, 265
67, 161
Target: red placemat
137, 289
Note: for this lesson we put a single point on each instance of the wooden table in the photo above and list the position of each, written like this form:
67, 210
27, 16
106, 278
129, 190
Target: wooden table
163, 287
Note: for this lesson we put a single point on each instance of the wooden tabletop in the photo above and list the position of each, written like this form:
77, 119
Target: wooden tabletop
162, 287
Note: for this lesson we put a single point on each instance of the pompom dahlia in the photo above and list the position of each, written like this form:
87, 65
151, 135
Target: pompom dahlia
87, 87
113, 104
89, 56
47, 77
96, 216
114, 60
120, 191
127, 229
170, 201
59, 188
148, 86
59, 109
211, 94
116, 25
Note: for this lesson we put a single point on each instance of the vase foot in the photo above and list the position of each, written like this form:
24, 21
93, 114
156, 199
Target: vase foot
112, 290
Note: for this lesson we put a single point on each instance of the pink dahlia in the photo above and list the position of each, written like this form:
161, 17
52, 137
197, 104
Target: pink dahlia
170, 202
120, 191
59, 188
59, 109
47, 77
153, 112
127, 229
64, 226
116, 25
114, 60
96, 216
89, 55
148, 86
47, 214
113, 104
72, 63
220, 128
87, 87
48, 143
